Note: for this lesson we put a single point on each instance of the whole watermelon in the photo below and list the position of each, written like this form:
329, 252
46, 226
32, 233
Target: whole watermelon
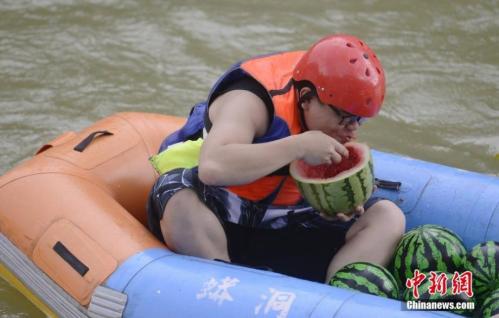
428, 248
338, 187
367, 278
483, 262
490, 306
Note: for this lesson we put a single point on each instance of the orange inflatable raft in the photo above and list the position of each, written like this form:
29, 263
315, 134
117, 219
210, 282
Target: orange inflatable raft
86, 202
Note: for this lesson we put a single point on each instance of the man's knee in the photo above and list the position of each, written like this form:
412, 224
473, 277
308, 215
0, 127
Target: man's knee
186, 211
383, 216
180, 202
178, 214
190, 228
387, 214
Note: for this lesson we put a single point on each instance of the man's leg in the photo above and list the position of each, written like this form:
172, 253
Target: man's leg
190, 228
372, 238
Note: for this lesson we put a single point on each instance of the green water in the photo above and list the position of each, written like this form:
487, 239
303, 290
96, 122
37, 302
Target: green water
65, 64
14, 305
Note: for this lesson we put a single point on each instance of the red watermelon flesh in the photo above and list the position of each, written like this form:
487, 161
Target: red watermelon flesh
326, 171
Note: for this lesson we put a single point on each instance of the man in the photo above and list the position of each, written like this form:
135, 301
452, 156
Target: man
239, 205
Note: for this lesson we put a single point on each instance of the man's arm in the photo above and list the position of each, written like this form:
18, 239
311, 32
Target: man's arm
228, 156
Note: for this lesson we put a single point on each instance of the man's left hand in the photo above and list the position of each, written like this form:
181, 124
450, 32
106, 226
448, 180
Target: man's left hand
344, 217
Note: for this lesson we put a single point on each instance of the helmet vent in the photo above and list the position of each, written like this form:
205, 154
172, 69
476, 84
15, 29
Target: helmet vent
365, 56
377, 70
368, 73
349, 44
352, 61
361, 43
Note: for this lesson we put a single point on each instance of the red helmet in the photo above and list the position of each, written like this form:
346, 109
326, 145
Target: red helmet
346, 74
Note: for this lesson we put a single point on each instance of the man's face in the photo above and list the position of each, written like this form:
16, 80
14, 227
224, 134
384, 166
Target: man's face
333, 122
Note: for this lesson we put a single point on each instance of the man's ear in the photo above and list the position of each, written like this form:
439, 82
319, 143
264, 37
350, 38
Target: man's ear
304, 92
305, 95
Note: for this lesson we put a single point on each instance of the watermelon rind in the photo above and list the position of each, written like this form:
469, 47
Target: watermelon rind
367, 278
343, 192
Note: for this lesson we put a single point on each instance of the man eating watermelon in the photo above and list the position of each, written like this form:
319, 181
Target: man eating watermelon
239, 204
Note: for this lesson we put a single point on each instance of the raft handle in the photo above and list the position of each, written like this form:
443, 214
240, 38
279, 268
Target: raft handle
388, 185
88, 140
70, 258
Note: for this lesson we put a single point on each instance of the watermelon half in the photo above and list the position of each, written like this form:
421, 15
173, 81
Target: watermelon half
335, 188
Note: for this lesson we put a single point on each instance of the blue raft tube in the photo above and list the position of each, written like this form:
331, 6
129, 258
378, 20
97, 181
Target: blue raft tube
160, 283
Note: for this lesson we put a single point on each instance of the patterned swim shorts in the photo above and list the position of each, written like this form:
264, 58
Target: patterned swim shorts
279, 237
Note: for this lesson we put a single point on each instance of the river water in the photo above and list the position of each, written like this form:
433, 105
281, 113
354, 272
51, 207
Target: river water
65, 64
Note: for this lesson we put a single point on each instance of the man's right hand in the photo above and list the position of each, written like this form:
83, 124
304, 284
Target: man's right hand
318, 148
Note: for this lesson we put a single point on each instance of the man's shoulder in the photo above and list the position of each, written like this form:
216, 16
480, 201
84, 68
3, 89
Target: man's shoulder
240, 106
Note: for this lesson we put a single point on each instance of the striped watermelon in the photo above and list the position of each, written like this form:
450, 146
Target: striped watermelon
490, 306
428, 248
425, 295
483, 262
337, 187
367, 278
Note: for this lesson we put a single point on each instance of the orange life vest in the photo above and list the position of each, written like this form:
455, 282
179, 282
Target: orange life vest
274, 72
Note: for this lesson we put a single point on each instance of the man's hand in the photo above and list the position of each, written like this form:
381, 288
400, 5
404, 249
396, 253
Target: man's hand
344, 217
318, 148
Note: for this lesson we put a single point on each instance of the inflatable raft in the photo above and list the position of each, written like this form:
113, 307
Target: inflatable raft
74, 236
